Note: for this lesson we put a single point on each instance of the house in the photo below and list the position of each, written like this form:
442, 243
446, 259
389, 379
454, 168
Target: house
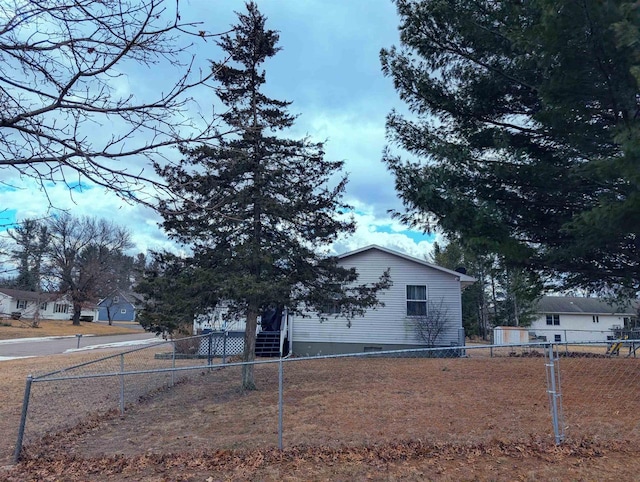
419, 289
118, 306
575, 319
47, 306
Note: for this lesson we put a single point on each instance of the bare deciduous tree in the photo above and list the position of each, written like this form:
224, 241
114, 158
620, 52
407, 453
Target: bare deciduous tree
80, 256
66, 112
432, 324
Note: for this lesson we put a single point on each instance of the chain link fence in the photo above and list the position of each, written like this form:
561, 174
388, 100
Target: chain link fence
170, 395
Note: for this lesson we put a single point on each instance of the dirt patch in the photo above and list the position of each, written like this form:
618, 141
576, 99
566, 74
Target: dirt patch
476, 418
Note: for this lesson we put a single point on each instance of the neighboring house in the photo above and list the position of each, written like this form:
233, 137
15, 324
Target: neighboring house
47, 306
574, 319
418, 286
118, 306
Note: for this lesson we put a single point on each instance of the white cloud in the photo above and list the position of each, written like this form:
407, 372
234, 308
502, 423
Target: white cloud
329, 68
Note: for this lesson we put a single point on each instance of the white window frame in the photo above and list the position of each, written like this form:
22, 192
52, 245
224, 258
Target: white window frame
116, 299
61, 308
21, 304
331, 308
415, 299
553, 320
123, 311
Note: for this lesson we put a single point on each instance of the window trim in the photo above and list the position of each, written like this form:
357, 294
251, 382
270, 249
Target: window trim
62, 308
21, 304
553, 319
123, 311
330, 308
416, 301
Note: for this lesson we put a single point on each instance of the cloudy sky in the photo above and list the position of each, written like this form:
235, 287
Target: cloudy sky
329, 68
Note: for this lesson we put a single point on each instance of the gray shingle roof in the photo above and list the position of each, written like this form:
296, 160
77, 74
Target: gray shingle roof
30, 295
574, 304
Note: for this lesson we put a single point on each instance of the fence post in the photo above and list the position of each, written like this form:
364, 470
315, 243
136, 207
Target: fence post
173, 364
122, 384
280, 401
224, 348
23, 419
555, 395
209, 351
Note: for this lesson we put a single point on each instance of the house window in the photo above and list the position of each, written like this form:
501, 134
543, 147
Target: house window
416, 300
331, 309
21, 304
123, 311
596, 319
43, 306
116, 299
557, 338
553, 320
60, 308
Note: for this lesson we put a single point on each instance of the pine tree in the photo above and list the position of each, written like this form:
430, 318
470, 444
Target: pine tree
526, 122
258, 208
32, 240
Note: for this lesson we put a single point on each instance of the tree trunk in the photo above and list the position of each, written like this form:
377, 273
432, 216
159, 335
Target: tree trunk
249, 354
76, 314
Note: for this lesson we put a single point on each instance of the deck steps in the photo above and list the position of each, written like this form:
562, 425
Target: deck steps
268, 344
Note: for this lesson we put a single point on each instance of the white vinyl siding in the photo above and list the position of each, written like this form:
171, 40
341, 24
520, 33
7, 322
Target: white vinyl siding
577, 327
388, 324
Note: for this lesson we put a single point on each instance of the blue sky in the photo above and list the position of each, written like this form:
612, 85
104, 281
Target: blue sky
328, 67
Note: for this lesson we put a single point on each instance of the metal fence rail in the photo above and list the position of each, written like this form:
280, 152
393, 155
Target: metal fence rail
534, 389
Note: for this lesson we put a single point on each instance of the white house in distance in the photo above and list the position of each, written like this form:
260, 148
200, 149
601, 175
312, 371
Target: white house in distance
48, 306
575, 319
392, 326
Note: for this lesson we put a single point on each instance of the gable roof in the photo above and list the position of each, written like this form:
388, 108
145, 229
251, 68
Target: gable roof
464, 279
31, 295
128, 296
591, 306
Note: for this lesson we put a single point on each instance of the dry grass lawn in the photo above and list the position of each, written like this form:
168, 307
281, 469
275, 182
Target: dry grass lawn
13, 329
477, 418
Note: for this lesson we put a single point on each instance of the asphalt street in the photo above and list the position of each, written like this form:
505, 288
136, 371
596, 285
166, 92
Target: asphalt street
29, 347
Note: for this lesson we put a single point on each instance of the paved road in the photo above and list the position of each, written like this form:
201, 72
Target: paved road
50, 346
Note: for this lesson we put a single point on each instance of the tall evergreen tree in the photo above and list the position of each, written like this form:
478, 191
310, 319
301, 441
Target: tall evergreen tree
31, 238
258, 207
525, 117
474, 299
